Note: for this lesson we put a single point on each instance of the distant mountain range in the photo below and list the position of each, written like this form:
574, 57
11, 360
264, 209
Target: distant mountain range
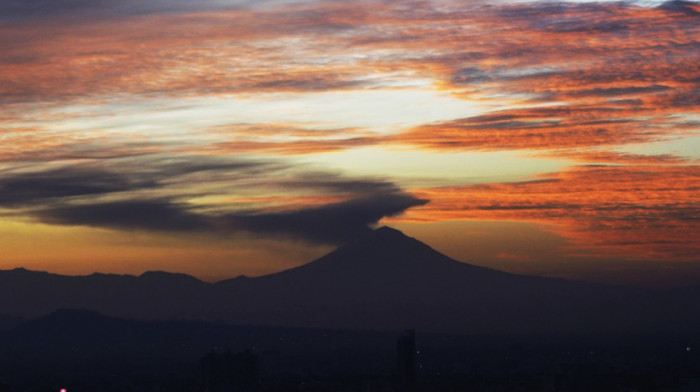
382, 281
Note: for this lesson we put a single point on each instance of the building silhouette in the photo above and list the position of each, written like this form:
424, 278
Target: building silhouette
227, 372
406, 361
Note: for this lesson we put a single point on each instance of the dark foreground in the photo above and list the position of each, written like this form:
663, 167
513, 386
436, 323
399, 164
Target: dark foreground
84, 351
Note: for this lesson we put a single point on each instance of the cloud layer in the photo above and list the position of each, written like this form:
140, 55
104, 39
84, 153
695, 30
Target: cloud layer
162, 197
227, 116
580, 75
647, 212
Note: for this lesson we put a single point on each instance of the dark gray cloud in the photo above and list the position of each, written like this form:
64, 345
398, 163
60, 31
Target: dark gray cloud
38, 9
573, 25
22, 189
332, 223
527, 12
124, 200
471, 75
33, 188
679, 6
167, 167
335, 183
565, 17
160, 215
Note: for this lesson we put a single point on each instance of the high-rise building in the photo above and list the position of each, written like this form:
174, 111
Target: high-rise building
406, 360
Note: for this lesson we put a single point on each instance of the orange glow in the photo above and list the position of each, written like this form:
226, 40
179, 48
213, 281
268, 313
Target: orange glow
283, 203
621, 158
539, 128
82, 251
279, 108
650, 212
617, 74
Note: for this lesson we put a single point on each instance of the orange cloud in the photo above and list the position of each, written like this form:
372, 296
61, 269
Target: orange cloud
572, 81
573, 75
621, 158
649, 212
532, 128
280, 139
40, 144
322, 46
579, 75
227, 51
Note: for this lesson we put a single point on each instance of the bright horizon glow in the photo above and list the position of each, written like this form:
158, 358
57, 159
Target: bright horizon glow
236, 137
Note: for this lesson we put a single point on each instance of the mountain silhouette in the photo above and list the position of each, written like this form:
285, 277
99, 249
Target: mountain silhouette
387, 280
384, 280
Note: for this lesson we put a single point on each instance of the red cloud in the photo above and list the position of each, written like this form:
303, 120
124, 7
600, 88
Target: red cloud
645, 211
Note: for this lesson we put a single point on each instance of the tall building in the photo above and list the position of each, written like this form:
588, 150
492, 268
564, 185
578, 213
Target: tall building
406, 360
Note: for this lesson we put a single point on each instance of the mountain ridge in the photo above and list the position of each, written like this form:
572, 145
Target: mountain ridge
354, 255
384, 280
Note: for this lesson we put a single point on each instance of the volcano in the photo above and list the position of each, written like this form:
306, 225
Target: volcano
387, 280
383, 280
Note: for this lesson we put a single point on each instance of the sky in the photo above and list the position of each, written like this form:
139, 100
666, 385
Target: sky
228, 137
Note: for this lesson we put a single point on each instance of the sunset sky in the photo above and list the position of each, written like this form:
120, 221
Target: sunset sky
228, 137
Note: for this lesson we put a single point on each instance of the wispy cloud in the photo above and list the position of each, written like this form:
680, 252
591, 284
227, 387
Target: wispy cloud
333, 223
289, 139
106, 114
608, 157
534, 128
37, 188
185, 193
648, 212
580, 74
